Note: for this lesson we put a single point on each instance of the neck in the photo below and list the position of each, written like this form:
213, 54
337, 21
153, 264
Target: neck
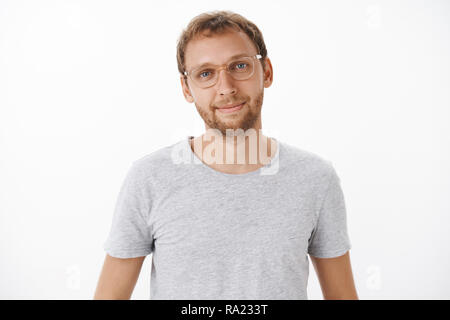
236, 152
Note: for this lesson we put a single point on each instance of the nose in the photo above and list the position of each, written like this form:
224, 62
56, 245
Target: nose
225, 83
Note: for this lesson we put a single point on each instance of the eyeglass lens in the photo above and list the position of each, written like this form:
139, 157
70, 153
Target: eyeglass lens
239, 69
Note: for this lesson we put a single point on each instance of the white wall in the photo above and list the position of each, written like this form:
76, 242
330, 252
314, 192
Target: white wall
86, 87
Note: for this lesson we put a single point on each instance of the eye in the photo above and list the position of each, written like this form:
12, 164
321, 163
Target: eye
204, 74
239, 66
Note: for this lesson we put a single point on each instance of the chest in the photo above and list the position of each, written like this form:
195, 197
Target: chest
206, 219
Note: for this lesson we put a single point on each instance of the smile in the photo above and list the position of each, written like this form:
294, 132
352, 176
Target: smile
233, 109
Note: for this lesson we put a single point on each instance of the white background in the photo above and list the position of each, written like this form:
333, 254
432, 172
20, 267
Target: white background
87, 87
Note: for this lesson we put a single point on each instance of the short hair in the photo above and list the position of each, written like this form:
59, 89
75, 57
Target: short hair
218, 22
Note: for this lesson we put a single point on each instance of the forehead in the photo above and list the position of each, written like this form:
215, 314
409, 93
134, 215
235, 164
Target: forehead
217, 48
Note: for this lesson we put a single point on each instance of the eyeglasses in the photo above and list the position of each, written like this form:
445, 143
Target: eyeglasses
240, 69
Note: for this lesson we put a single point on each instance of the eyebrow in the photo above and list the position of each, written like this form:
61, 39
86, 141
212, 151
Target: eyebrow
231, 58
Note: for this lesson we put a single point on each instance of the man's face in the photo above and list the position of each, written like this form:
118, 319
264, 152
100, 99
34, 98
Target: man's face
217, 50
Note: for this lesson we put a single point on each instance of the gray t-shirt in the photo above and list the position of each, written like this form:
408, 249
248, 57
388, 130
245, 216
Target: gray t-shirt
214, 235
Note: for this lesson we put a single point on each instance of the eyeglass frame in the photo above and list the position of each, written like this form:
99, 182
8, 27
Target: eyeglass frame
224, 67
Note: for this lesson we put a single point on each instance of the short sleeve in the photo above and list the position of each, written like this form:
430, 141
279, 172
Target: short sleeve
130, 234
330, 238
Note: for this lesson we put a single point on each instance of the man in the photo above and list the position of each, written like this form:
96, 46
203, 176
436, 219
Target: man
219, 224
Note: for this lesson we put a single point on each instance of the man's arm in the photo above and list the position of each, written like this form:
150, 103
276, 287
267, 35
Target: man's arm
118, 278
335, 277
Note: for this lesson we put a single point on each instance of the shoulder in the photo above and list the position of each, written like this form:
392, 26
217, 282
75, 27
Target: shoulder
155, 158
157, 162
305, 162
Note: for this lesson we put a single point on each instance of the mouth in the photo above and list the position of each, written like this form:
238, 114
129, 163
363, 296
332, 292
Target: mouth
231, 108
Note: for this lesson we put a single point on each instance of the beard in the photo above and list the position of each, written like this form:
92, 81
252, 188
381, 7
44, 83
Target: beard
243, 119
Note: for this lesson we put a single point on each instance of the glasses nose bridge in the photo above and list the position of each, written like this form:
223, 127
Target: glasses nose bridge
225, 67
222, 67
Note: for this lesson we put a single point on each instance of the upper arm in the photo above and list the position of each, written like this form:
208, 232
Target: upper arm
335, 277
118, 278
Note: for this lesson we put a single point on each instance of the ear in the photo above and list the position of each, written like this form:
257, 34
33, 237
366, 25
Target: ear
268, 73
186, 91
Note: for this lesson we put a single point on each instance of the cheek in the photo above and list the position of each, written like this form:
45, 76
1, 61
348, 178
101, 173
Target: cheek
260, 82
255, 85
204, 100
253, 89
